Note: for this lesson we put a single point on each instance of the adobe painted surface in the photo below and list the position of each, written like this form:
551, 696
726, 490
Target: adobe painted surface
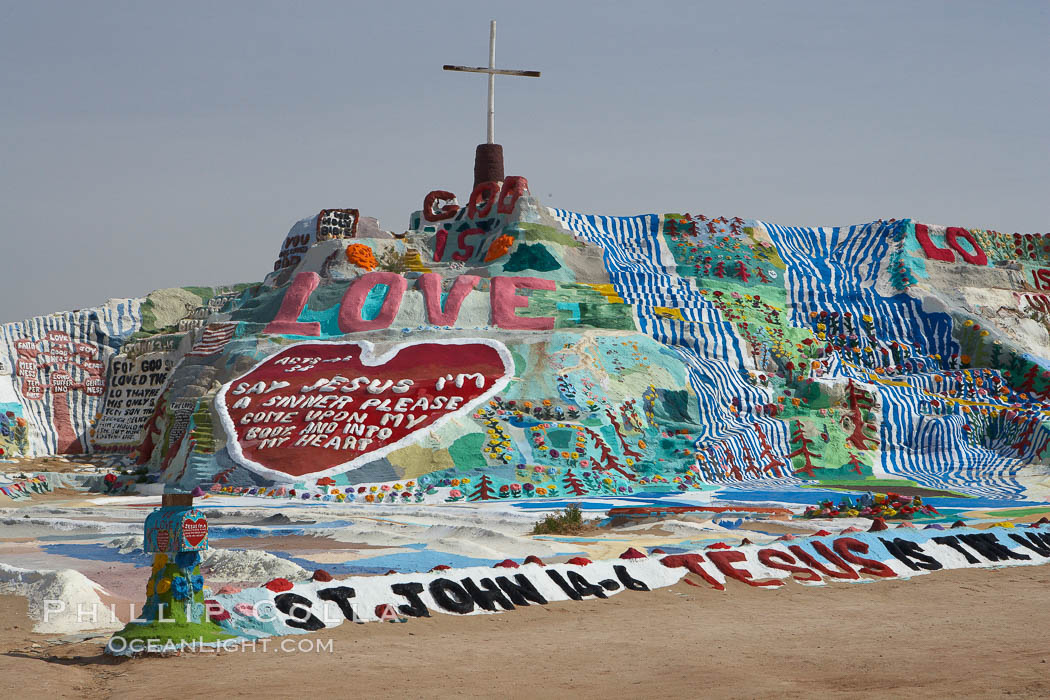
507, 350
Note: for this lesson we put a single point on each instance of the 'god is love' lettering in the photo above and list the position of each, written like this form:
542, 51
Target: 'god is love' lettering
317, 408
503, 293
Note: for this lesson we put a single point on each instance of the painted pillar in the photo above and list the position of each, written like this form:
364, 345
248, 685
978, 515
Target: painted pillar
175, 612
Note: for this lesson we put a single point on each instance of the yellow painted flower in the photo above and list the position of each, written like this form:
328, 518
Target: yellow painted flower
160, 560
163, 585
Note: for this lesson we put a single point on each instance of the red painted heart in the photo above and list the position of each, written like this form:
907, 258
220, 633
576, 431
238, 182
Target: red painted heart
194, 531
162, 540
316, 409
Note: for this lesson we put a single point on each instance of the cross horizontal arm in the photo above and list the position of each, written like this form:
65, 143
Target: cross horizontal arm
494, 71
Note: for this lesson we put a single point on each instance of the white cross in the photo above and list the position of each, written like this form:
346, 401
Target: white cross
492, 72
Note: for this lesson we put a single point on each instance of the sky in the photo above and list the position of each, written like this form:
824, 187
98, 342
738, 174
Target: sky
146, 145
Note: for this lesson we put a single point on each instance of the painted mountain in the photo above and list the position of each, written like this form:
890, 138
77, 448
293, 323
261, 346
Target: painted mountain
507, 350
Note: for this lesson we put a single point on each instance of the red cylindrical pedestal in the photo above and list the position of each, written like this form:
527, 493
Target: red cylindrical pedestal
488, 163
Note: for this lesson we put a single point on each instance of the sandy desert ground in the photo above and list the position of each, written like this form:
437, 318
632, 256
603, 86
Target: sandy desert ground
963, 633
960, 633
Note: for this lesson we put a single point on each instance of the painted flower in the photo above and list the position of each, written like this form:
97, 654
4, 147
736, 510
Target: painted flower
361, 255
163, 586
180, 588
197, 581
279, 585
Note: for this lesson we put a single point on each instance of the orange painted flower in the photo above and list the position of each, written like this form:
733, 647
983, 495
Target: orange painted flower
499, 247
361, 255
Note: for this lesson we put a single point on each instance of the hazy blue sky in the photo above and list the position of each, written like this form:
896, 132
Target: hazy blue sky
150, 144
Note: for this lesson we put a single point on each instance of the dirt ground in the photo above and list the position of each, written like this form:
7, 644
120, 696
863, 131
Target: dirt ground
963, 633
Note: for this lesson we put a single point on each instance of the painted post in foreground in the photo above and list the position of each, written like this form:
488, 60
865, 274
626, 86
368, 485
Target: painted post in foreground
176, 612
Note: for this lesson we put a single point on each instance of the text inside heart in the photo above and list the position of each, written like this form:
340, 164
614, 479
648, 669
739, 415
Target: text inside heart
320, 408
194, 531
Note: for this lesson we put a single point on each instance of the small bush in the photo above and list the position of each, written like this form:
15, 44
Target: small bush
569, 522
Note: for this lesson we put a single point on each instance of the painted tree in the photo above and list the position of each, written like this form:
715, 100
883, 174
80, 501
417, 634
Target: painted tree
772, 462
854, 461
798, 437
1024, 441
484, 491
1028, 383
733, 470
628, 451
573, 485
858, 403
701, 466
749, 461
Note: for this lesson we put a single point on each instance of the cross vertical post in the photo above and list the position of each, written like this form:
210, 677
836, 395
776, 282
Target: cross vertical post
488, 160
492, 83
